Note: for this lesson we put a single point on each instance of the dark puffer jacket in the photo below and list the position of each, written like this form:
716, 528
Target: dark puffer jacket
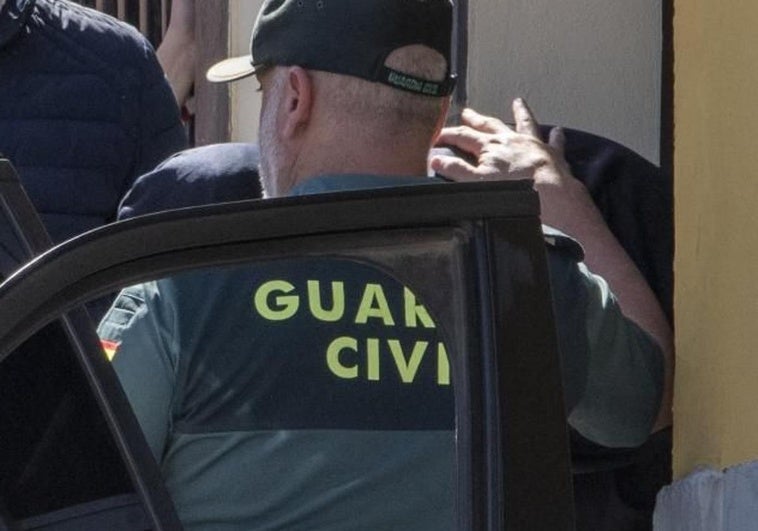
84, 109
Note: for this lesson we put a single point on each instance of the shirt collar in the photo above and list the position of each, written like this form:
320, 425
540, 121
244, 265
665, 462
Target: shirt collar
335, 183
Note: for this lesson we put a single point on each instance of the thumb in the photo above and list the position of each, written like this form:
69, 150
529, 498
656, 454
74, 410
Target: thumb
454, 168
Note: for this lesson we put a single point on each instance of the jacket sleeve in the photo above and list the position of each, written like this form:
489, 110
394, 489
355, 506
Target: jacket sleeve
161, 132
612, 369
137, 335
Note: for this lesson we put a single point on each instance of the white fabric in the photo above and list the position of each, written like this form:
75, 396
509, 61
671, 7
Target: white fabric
710, 500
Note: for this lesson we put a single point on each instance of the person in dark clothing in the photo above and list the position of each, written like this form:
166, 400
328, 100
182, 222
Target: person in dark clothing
84, 110
209, 174
636, 202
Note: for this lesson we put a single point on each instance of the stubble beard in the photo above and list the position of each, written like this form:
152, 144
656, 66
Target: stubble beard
272, 154
267, 166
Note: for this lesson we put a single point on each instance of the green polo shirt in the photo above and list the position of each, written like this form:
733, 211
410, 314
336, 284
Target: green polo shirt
316, 393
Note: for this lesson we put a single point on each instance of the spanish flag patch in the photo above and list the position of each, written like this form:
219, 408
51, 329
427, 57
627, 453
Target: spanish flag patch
110, 347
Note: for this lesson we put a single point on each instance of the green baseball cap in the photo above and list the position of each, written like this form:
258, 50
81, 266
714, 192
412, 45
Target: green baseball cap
350, 37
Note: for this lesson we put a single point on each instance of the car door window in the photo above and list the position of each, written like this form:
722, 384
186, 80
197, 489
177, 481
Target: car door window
394, 340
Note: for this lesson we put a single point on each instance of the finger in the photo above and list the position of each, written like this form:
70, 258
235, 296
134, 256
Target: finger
454, 168
480, 122
463, 138
557, 140
525, 122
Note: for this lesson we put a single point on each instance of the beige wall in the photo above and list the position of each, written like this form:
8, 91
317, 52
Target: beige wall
588, 64
716, 191
245, 101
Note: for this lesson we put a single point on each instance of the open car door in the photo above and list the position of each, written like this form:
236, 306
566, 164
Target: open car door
72, 454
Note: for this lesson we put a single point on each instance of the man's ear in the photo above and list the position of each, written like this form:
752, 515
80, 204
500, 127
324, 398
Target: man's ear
298, 101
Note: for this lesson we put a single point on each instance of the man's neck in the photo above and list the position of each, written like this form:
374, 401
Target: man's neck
333, 183
381, 158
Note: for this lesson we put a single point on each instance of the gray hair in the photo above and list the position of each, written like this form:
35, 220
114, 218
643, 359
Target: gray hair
395, 111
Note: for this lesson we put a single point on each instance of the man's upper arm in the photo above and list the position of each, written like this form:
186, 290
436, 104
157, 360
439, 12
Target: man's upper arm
621, 366
161, 132
625, 376
137, 335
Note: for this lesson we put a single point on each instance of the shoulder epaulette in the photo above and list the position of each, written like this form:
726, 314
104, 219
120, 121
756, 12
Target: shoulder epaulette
561, 242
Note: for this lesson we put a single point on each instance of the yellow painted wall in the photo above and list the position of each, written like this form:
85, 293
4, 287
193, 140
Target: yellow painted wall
716, 200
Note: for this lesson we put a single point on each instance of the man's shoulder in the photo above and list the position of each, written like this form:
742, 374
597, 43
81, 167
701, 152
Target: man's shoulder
129, 303
562, 244
91, 35
214, 161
